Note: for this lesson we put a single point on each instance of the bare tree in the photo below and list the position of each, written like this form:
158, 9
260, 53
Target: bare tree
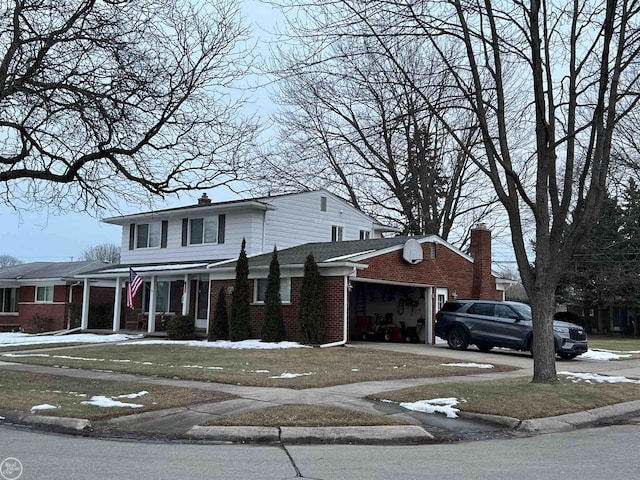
548, 83
105, 252
119, 99
8, 261
352, 123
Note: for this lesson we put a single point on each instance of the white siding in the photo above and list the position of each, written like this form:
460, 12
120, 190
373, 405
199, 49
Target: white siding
298, 219
239, 224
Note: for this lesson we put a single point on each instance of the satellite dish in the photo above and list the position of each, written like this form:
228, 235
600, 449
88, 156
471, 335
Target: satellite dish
412, 251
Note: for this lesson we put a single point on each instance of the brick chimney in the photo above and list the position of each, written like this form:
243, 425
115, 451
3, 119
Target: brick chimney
204, 200
483, 284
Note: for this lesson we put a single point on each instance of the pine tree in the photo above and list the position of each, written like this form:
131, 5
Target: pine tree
273, 326
219, 325
239, 326
312, 326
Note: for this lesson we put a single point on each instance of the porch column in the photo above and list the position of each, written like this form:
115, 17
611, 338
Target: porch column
151, 321
428, 301
84, 322
117, 305
186, 295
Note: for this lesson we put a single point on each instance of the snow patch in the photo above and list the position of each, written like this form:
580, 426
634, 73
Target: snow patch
292, 375
243, 345
469, 365
44, 406
434, 405
605, 355
595, 377
18, 338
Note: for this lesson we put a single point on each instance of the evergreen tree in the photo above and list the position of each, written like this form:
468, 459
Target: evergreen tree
239, 321
312, 326
219, 325
273, 326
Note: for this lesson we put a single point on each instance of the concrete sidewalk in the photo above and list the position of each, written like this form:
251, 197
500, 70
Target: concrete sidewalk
186, 423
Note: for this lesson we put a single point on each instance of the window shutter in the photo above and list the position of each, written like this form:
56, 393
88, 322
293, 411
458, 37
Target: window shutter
132, 236
222, 220
164, 233
185, 229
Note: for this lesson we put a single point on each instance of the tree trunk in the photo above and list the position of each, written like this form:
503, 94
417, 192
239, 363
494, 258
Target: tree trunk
544, 354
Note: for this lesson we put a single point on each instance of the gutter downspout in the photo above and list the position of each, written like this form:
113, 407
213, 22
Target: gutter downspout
344, 314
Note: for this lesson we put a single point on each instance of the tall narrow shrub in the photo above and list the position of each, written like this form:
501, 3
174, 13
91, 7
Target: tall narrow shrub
312, 327
239, 316
219, 324
273, 326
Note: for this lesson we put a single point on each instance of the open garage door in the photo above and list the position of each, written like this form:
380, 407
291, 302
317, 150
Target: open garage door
390, 312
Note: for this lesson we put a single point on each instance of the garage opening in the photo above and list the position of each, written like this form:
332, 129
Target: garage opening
389, 312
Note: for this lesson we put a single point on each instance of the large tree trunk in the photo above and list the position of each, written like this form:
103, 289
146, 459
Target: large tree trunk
544, 355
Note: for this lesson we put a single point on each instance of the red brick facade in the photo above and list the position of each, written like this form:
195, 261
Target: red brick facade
36, 317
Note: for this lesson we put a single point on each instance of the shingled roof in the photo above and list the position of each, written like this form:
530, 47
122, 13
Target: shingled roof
324, 252
48, 270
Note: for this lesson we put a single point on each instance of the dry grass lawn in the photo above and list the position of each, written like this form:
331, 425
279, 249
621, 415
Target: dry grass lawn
21, 391
290, 368
305, 416
519, 398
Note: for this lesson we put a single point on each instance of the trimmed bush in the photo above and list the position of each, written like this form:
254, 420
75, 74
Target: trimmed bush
273, 326
181, 327
312, 328
239, 316
219, 324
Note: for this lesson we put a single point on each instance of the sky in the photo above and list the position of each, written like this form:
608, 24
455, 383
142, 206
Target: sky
39, 236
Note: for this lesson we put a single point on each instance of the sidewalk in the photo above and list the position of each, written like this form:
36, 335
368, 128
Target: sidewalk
186, 423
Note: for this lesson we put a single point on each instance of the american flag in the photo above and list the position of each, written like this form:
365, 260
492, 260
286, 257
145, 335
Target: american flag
135, 282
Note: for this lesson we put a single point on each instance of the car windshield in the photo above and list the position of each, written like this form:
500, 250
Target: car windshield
522, 309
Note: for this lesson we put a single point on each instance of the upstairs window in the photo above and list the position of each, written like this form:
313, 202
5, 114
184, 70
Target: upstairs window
336, 233
203, 230
148, 235
323, 204
44, 294
8, 300
365, 234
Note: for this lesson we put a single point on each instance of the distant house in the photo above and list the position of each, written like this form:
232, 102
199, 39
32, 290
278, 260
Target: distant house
186, 254
45, 296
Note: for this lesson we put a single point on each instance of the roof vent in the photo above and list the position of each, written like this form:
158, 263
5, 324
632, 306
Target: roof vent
204, 200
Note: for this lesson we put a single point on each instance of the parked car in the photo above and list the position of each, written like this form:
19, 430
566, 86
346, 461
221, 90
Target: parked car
489, 323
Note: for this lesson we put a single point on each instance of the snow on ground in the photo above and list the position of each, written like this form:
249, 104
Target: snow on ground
595, 377
470, 365
292, 375
44, 406
17, 338
110, 402
597, 354
435, 405
245, 344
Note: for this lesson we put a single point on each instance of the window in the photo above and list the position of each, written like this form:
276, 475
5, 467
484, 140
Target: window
336, 233
8, 300
203, 230
165, 296
323, 204
148, 235
485, 309
44, 294
261, 289
365, 234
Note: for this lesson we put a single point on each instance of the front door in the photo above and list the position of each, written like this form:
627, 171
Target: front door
202, 304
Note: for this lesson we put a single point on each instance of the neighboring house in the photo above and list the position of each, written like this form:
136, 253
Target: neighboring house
45, 296
185, 255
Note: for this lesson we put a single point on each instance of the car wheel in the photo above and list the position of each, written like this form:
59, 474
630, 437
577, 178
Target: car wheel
483, 347
567, 356
457, 338
388, 336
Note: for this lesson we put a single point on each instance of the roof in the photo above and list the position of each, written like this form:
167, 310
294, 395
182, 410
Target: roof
48, 270
260, 203
333, 252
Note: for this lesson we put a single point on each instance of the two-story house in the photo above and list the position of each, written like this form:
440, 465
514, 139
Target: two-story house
186, 255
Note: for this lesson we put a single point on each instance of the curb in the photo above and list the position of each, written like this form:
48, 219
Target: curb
570, 421
64, 424
396, 434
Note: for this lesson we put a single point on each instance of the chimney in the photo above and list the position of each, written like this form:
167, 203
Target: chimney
483, 284
204, 200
